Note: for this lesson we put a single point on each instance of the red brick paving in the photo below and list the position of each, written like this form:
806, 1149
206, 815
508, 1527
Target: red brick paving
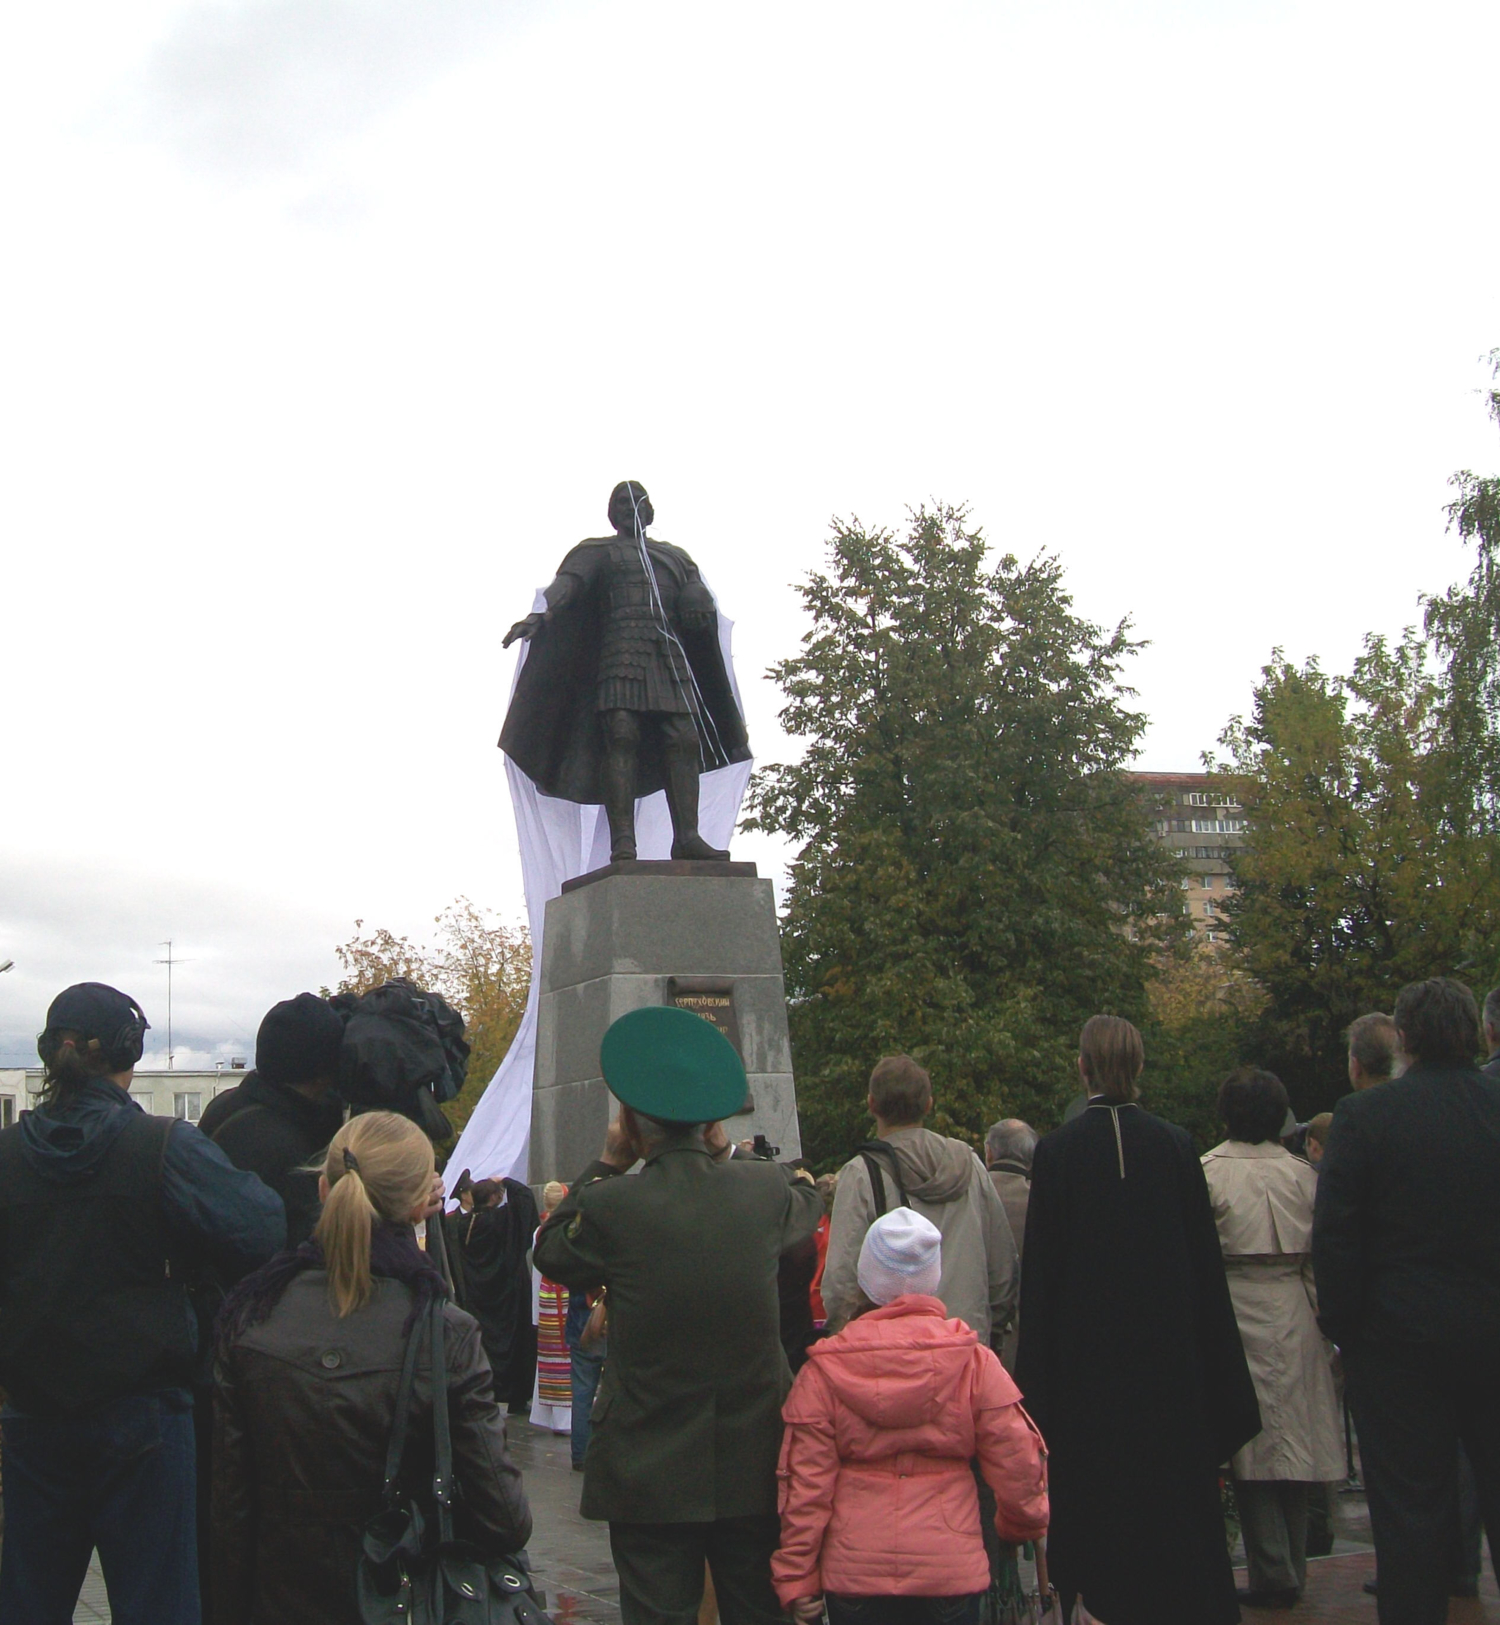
1335, 1596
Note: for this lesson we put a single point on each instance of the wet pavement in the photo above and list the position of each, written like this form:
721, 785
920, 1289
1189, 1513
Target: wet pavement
1335, 1595
569, 1555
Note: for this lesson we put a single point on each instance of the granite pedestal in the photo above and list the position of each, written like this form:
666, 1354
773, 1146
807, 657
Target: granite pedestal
640, 933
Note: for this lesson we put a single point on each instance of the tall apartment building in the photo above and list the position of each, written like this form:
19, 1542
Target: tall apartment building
1201, 826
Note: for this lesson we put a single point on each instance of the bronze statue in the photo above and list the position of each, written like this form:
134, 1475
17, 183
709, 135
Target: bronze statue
624, 690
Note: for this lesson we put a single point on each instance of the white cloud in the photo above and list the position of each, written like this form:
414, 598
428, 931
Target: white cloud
239, 952
259, 87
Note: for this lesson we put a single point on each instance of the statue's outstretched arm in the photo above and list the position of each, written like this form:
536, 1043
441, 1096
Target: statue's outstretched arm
564, 589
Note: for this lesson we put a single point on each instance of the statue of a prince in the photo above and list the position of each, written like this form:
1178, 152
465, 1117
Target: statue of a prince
624, 690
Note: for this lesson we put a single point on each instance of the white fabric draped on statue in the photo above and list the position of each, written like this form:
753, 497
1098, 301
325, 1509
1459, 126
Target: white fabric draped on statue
558, 840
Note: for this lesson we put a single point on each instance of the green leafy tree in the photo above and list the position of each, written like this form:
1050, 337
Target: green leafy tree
1374, 807
1200, 1005
975, 874
1464, 628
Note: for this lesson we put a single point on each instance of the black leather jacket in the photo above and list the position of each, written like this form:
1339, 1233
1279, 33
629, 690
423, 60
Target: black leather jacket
302, 1417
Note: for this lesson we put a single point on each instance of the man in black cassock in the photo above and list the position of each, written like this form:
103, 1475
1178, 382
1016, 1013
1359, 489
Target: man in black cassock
487, 1249
624, 690
1130, 1362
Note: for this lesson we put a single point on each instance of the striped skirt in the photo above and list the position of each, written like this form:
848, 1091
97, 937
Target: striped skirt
554, 1365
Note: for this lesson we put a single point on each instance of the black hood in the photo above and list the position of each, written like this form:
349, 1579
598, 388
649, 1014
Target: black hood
68, 1140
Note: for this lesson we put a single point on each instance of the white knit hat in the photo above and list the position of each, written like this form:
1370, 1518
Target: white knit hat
902, 1252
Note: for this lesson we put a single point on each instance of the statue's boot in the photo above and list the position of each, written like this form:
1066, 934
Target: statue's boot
682, 801
617, 773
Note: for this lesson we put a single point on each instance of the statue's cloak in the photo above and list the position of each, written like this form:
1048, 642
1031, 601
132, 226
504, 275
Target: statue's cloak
552, 730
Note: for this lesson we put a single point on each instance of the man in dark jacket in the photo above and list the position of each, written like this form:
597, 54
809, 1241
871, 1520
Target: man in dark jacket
1406, 1249
281, 1118
104, 1211
687, 1425
273, 1125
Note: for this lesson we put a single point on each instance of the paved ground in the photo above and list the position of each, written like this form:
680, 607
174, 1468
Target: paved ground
569, 1554
572, 1562
1335, 1596
1335, 1592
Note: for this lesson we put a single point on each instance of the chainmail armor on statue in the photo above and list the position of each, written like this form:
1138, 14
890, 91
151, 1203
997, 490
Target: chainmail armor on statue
640, 668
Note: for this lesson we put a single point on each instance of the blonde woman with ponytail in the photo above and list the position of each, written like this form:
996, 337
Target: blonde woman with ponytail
310, 1351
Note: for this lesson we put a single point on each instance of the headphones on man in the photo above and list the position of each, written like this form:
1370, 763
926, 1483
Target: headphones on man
129, 1044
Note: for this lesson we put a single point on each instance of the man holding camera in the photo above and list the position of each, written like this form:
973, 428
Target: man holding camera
281, 1118
687, 1425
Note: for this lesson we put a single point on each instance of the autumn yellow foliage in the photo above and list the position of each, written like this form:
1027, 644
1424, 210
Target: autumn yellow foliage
480, 964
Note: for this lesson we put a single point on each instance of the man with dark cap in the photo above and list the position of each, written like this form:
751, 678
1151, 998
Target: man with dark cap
281, 1118
687, 1425
104, 1212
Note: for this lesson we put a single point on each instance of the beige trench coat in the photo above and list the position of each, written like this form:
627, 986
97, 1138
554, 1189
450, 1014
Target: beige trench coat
1263, 1205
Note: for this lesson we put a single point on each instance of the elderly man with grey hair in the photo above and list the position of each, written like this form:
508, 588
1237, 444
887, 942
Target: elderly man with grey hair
1008, 1149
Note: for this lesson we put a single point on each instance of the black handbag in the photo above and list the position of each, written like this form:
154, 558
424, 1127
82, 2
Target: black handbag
412, 1574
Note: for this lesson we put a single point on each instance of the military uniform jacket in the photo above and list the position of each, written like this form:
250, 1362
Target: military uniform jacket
687, 1423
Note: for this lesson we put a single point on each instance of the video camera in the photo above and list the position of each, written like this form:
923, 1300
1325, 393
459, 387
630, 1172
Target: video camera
404, 1051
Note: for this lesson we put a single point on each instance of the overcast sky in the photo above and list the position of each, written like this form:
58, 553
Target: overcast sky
329, 324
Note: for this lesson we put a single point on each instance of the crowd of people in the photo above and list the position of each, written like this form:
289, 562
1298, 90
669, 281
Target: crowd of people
250, 1361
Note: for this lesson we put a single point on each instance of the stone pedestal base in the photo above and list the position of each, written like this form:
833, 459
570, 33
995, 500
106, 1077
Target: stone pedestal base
639, 934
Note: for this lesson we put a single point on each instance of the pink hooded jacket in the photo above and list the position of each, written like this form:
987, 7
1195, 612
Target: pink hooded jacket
876, 1495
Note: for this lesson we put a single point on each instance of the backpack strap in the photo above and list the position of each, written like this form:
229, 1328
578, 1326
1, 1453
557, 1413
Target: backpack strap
163, 1127
234, 1117
872, 1153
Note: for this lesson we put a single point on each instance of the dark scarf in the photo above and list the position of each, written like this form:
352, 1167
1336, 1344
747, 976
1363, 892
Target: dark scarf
393, 1253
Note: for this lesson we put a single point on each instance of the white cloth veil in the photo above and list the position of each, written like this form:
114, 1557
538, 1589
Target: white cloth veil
558, 840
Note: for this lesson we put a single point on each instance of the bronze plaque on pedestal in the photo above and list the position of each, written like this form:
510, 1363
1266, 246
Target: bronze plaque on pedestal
711, 997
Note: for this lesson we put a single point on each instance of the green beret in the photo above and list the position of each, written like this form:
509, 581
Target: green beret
672, 1065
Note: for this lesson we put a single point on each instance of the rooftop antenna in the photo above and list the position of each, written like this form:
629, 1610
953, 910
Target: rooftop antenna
169, 961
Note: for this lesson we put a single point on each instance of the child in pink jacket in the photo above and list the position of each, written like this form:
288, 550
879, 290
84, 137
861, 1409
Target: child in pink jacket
879, 1510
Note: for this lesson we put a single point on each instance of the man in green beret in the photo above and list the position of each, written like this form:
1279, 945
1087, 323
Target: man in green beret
687, 1424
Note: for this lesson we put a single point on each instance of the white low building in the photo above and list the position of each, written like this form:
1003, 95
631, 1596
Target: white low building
165, 1094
